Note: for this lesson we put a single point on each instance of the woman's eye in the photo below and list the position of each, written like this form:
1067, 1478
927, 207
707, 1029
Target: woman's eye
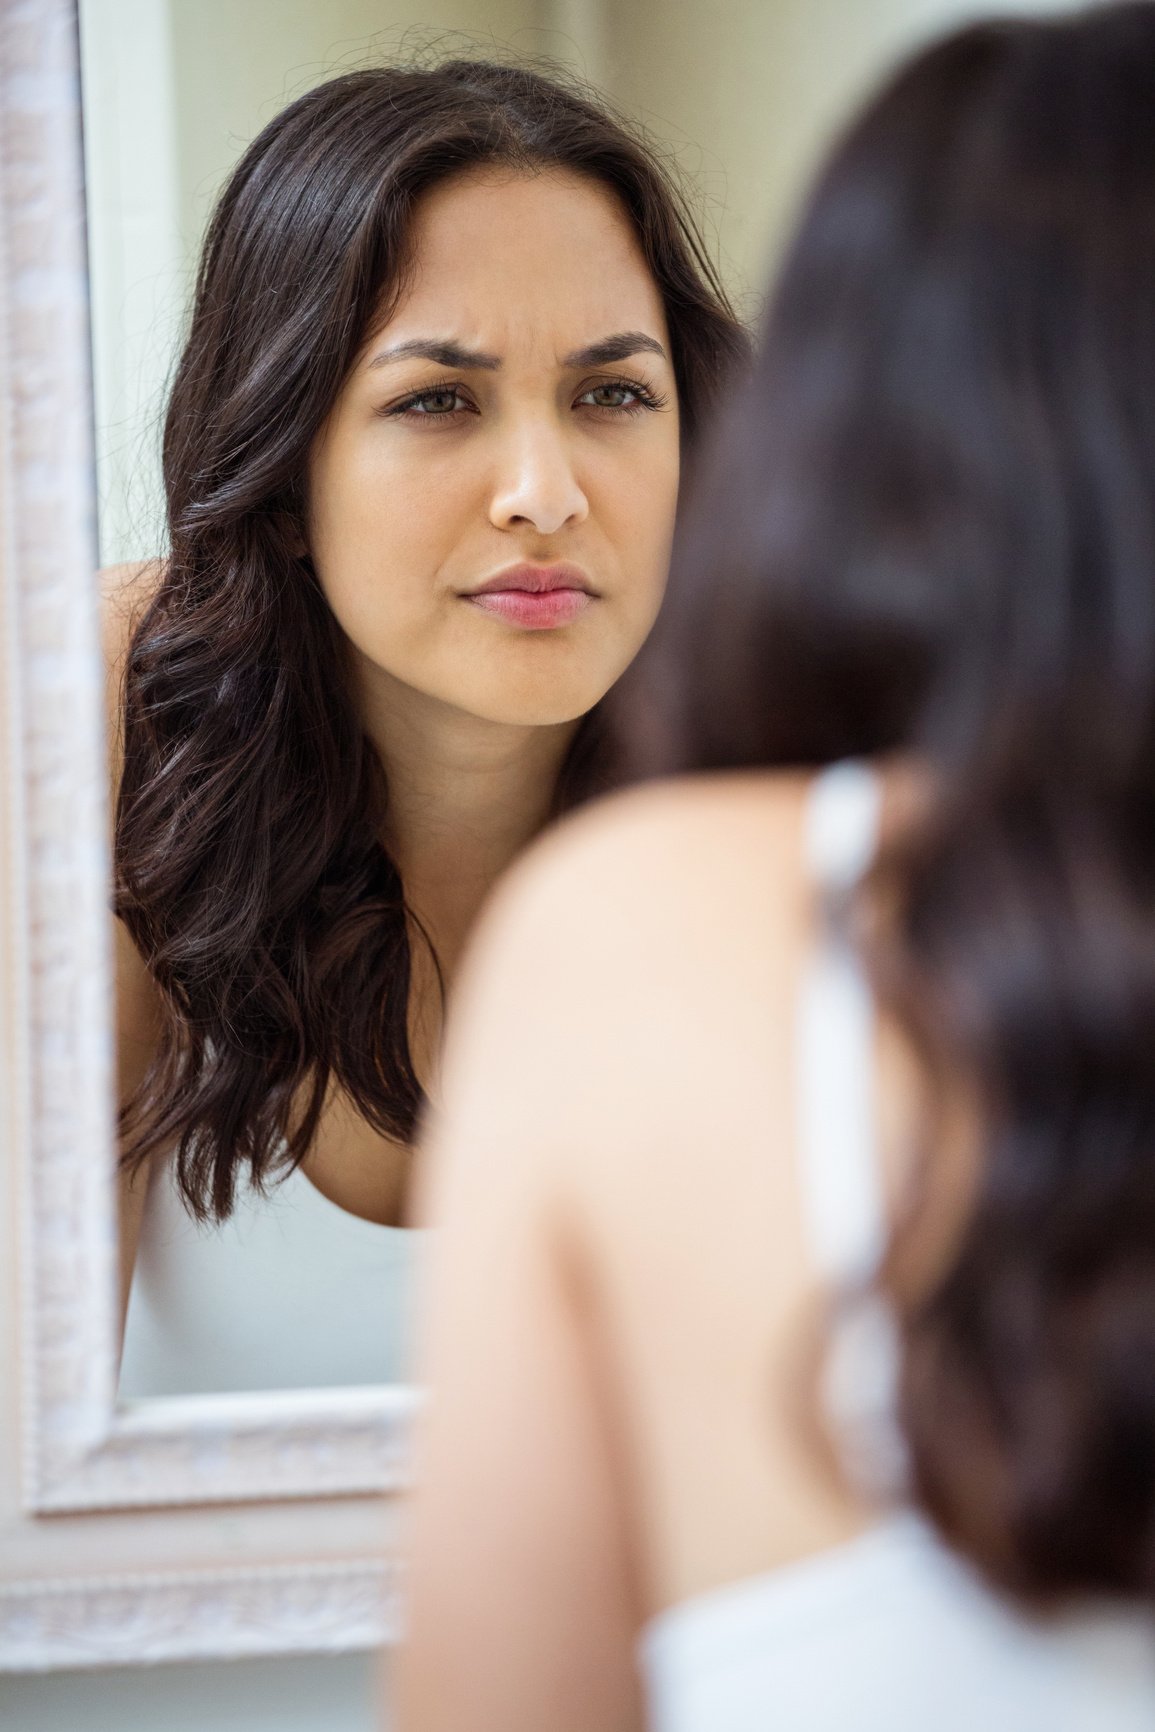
611, 397
437, 404
621, 396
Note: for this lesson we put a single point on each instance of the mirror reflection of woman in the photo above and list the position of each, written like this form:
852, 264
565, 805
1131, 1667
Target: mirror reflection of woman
451, 330
818, 1388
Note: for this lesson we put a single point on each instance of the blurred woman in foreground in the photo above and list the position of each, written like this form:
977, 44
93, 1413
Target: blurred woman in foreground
793, 1314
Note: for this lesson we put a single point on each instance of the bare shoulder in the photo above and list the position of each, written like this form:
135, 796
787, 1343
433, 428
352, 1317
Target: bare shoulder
629, 990
711, 812
125, 592
609, 939
707, 852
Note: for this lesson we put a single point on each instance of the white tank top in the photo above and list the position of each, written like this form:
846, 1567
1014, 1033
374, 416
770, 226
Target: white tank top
290, 1292
890, 1632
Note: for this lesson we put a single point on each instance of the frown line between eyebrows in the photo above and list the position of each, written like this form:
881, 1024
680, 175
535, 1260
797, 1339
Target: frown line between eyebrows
446, 353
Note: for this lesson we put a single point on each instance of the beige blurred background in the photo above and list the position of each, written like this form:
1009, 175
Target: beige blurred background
744, 94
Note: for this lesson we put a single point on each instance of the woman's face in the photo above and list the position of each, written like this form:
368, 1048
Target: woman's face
491, 500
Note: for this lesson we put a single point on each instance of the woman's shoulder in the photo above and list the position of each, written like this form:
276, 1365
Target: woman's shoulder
625, 993
640, 912
694, 849
125, 592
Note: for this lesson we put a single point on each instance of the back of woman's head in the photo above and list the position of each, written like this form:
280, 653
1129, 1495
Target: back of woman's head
927, 525
249, 859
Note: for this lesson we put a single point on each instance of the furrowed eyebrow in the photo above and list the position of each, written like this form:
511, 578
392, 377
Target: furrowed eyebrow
449, 354
446, 354
617, 348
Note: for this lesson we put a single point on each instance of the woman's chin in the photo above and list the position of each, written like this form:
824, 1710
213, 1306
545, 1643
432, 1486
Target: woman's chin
553, 712
532, 703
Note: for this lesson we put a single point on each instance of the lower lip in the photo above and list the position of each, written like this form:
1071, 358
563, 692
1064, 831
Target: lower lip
534, 612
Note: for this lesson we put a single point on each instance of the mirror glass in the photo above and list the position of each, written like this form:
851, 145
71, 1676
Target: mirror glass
307, 1282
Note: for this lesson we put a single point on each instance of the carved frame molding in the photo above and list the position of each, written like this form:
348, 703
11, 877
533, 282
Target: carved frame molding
197, 1615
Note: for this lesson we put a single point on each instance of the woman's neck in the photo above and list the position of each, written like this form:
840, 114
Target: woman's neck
465, 797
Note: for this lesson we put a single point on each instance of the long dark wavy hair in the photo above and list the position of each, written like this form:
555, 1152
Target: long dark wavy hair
927, 526
249, 866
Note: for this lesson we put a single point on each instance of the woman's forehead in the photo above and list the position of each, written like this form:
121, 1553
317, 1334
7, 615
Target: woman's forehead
502, 259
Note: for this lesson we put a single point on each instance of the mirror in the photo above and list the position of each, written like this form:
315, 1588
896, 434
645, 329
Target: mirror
339, 727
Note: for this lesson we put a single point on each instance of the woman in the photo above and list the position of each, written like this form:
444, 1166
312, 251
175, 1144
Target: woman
451, 330
814, 1207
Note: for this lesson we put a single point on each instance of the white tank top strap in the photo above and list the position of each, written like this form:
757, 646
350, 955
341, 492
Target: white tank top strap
840, 1186
842, 1197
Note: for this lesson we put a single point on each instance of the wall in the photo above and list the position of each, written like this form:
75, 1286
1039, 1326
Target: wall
238, 65
305, 1694
138, 260
747, 94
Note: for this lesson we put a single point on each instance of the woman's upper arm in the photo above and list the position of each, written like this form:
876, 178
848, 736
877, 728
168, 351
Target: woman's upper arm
575, 1060
137, 1031
522, 1613
124, 593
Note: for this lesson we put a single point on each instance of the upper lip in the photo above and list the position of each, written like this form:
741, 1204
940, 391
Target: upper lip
536, 580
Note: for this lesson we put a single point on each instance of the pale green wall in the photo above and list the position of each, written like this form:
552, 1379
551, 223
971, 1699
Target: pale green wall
748, 93
337, 1693
238, 62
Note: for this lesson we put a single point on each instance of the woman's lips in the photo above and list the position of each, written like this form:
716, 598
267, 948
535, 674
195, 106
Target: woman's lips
534, 611
535, 597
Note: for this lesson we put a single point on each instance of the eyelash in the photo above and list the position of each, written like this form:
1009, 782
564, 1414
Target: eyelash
644, 399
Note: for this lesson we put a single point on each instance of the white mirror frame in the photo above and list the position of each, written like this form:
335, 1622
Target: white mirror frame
310, 1577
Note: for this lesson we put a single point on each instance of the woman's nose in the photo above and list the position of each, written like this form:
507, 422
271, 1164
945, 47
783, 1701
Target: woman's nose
537, 485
